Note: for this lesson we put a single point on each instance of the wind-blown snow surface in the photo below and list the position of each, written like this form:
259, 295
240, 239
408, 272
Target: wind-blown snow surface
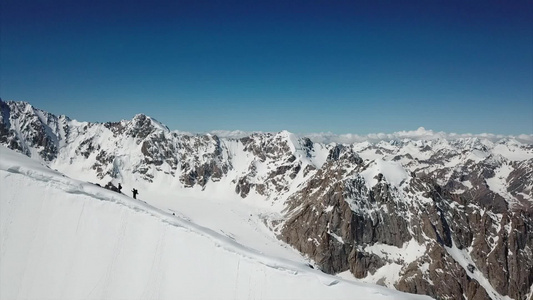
66, 239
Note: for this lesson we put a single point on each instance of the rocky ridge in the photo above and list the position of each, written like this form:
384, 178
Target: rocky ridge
452, 219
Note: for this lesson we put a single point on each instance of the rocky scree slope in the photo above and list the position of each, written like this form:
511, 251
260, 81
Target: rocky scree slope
452, 219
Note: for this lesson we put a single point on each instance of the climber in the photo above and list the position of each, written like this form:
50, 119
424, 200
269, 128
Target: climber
135, 192
119, 188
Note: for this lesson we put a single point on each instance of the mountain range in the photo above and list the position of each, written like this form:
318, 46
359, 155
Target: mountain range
447, 217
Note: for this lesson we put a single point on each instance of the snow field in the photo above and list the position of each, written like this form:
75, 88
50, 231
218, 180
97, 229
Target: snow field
393, 172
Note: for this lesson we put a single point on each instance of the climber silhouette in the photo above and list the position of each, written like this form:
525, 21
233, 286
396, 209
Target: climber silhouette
135, 192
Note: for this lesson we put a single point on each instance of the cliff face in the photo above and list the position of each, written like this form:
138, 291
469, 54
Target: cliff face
436, 239
447, 218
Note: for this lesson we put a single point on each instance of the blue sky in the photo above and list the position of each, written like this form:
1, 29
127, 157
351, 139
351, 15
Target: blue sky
303, 66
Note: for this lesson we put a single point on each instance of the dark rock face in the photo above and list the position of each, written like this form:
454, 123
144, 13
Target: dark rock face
338, 221
330, 249
280, 166
141, 127
37, 129
427, 217
7, 134
202, 159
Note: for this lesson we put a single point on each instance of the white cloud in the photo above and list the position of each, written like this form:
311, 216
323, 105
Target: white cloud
419, 134
234, 134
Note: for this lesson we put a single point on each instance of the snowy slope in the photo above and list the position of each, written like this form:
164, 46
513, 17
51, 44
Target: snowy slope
66, 239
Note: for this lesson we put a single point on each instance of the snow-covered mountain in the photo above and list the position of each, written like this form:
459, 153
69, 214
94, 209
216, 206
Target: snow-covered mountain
67, 239
449, 218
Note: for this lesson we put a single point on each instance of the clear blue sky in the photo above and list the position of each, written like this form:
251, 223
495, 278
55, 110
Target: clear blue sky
304, 66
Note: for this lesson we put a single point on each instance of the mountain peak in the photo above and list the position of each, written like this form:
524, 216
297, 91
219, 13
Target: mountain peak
146, 123
18, 106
